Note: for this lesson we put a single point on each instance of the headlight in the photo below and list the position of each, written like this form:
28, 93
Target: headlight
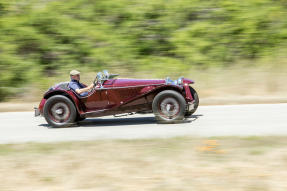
169, 81
180, 81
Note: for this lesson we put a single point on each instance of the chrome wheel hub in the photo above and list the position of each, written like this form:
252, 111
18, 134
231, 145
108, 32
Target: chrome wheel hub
169, 107
60, 112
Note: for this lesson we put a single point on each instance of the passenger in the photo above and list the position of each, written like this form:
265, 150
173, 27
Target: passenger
78, 87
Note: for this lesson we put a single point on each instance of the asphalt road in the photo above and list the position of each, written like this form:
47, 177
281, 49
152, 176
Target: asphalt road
228, 120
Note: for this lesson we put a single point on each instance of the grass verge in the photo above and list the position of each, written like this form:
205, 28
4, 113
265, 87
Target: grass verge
185, 163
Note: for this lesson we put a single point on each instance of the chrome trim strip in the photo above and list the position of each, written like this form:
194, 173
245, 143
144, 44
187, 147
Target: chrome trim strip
131, 86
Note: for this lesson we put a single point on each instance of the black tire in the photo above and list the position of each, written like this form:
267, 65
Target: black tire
196, 102
59, 111
169, 107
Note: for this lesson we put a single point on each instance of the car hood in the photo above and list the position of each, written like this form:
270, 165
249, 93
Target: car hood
132, 82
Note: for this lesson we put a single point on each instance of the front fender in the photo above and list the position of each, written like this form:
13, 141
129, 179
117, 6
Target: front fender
183, 90
167, 87
187, 81
155, 90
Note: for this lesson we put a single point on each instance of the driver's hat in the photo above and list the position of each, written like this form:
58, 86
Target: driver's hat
74, 72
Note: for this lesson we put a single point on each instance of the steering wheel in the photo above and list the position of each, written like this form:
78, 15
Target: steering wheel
96, 81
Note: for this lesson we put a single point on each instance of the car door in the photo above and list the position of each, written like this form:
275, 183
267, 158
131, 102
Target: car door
98, 100
120, 95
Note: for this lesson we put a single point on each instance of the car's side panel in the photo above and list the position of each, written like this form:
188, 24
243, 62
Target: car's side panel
120, 96
131, 99
123, 96
96, 101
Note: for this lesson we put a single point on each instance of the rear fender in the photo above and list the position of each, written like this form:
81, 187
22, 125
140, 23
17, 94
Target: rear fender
68, 94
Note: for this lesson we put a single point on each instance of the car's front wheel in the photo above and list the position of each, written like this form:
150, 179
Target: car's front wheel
169, 106
59, 111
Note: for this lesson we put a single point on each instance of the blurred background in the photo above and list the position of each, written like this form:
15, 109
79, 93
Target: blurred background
234, 50
231, 48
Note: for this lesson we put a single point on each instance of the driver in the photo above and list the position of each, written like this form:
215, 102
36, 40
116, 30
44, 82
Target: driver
78, 87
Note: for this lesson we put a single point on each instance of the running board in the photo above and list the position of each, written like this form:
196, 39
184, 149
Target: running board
123, 115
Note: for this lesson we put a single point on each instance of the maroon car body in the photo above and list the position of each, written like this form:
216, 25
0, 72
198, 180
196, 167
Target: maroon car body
118, 96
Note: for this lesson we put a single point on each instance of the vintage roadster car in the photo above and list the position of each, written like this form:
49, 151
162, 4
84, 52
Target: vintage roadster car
170, 101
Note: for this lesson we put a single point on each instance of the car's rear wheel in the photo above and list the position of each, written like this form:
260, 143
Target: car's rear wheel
169, 107
195, 102
59, 111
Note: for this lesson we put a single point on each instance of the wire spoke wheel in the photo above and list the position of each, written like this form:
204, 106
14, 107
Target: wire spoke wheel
60, 111
169, 106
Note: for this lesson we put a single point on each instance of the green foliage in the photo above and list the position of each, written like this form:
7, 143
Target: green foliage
39, 38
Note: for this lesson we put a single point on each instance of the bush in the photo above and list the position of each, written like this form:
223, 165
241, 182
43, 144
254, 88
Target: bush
41, 38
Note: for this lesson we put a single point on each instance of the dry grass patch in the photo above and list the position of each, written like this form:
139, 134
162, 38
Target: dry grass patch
253, 163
